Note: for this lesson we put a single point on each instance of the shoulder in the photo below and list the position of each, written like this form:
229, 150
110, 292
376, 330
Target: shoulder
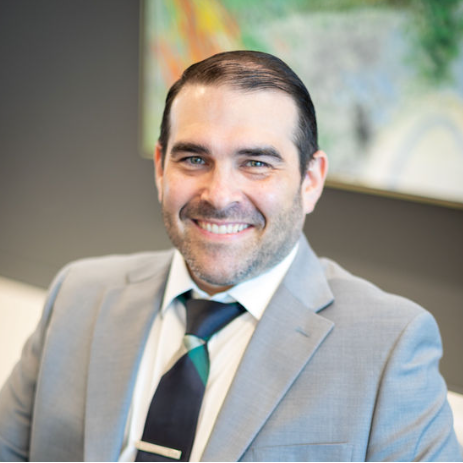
358, 299
95, 274
118, 268
82, 285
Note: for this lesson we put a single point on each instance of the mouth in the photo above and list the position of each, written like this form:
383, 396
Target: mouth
222, 229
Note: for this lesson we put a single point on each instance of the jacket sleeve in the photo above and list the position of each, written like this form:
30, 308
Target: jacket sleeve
17, 394
413, 420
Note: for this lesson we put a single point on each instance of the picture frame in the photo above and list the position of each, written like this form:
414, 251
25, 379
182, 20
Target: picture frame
386, 78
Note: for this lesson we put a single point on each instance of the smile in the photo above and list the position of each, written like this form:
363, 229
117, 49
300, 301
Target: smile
222, 229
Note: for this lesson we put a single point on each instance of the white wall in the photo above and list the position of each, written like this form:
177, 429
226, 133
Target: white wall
20, 309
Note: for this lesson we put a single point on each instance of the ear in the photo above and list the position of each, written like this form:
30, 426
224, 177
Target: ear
314, 180
158, 169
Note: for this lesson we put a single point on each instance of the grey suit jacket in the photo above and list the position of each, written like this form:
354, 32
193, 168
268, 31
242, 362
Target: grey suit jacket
337, 370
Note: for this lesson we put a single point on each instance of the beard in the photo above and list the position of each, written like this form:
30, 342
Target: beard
230, 263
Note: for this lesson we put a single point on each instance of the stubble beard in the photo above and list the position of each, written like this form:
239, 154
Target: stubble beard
229, 264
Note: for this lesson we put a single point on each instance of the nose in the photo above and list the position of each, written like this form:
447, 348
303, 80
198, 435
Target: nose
221, 188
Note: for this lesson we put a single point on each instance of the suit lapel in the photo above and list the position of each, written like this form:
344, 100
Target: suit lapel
289, 334
124, 321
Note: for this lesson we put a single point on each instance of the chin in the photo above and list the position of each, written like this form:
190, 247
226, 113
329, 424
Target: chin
221, 277
217, 278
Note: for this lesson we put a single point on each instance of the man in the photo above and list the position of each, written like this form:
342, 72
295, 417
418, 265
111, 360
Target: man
321, 366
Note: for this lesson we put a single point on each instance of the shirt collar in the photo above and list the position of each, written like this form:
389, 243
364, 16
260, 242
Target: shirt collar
254, 294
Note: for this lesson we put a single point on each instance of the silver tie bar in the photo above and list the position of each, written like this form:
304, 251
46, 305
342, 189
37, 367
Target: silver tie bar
159, 449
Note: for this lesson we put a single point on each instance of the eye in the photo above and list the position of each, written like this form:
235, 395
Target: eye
256, 164
194, 160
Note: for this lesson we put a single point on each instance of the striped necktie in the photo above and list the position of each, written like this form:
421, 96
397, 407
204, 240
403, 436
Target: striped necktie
173, 414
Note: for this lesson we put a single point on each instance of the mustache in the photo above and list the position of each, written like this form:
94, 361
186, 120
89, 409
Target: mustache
235, 212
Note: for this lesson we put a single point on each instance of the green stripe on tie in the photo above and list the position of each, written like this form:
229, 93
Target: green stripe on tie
200, 360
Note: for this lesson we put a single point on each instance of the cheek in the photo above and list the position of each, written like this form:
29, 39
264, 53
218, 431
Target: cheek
267, 202
176, 192
273, 199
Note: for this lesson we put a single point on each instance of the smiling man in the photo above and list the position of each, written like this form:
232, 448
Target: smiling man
239, 344
233, 197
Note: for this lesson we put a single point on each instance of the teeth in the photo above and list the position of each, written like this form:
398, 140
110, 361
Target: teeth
222, 229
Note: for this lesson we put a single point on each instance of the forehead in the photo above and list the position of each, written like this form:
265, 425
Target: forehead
224, 111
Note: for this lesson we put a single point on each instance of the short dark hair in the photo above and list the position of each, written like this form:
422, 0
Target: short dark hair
251, 71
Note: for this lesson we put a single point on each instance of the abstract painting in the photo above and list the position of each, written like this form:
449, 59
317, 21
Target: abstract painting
386, 77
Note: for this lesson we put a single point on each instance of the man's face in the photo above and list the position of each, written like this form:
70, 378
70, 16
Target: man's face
232, 196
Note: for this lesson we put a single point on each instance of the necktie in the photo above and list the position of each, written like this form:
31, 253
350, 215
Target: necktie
173, 414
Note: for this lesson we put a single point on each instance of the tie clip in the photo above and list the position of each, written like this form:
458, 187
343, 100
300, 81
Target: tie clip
159, 449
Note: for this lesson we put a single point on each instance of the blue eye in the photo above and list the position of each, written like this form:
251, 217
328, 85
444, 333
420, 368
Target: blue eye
195, 160
254, 163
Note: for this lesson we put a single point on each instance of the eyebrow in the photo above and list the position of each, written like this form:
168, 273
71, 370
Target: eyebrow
197, 148
261, 151
188, 147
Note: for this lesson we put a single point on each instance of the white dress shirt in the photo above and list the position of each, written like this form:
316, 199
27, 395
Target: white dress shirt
226, 347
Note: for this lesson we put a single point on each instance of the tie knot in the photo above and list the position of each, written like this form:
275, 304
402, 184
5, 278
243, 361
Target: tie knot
204, 318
